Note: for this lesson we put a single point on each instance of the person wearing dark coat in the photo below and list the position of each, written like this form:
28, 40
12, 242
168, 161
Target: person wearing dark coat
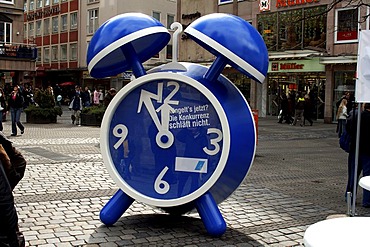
15, 105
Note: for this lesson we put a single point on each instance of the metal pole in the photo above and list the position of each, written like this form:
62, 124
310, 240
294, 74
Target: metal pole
353, 211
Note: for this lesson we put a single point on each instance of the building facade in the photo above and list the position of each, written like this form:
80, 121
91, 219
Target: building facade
16, 57
62, 30
312, 48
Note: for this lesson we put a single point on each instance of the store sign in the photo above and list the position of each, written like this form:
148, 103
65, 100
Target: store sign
264, 5
44, 13
289, 3
312, 65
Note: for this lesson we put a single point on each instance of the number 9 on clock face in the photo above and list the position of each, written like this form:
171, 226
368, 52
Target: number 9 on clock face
165, 139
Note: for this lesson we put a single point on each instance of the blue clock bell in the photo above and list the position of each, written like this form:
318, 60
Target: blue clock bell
180, 136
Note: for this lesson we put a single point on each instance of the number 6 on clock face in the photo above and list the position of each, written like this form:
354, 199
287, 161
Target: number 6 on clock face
165, 144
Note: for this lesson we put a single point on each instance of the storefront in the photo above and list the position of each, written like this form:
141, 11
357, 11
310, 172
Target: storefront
290, 76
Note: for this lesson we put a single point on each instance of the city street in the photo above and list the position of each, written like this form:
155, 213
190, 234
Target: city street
298, 178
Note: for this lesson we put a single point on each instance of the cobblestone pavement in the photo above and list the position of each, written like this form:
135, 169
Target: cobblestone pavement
298, 178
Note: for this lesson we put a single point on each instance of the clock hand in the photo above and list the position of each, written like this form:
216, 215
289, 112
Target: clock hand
164, 137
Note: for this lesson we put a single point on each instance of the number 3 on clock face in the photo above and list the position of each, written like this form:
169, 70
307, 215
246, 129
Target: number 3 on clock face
165, 139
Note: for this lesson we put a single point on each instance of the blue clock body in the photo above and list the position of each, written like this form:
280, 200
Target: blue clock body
171, 136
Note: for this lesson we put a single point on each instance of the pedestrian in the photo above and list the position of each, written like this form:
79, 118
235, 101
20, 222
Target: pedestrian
86, 97
2, 108
351, 128
299, 109
307, 112
15, 105
364, 150
284, 109
12, 170
108, 98
76, 106
96, 97
341, 117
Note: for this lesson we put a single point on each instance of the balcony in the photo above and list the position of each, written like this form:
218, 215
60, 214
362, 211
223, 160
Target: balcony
18, 51
17, 57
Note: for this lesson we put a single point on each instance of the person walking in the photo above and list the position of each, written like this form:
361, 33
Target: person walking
284, 109
76, 106
307, 112
342, 117
15, 104
299, 109
364, 150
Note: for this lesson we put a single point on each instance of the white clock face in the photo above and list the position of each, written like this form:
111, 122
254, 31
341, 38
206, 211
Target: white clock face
165, 139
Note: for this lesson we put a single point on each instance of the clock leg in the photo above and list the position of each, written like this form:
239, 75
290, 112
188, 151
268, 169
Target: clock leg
115, 208
210, 214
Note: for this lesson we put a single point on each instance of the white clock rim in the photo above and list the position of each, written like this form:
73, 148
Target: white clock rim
104, 139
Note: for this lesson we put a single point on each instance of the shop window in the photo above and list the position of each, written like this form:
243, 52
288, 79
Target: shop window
46, 2
346, 25
32, 5
267, 26
294, 29
38, 55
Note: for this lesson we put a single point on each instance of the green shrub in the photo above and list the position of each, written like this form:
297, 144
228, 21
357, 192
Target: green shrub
94, 110
39, 112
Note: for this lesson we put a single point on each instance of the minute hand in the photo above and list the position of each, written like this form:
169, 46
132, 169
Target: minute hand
146, 98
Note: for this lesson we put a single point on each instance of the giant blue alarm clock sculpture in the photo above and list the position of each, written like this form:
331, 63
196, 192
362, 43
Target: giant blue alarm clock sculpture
180, 136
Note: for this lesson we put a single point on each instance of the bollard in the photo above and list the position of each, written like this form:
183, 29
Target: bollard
255, 118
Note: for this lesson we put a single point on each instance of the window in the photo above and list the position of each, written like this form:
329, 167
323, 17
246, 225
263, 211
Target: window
73, 51
38, 28
157, 15
293, 29
25, 7
46, 54
7, 1
63, 52
31, 29
169, 52
93, 20
54, 53
46, 2
346, 25
55, 1
224, 1
38, 55
39, 4
5, 32
32, 5
93, 1
55, 24
73, 20
46, 26
170, 20
64, 22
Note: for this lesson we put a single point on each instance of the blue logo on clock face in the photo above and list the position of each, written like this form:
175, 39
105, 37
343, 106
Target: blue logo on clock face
166, 139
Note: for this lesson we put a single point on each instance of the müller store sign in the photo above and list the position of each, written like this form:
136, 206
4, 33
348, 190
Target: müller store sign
312, 65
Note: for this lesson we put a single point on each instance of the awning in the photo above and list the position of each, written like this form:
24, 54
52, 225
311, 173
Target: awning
338, 59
